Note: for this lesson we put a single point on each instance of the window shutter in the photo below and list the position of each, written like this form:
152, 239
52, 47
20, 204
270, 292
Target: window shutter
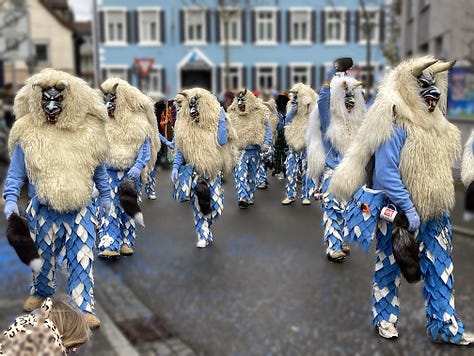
129, 75
278, 26
163, 81
244, 78
313, 26
288, 78
382, 26
323, 26
218, 26
182, 26
278, 79
220, 83
348, 26
162, 27
208, 26
288, 26
243, 26
312, 79
253, 26
101, 27
357, 26
136, 28
129, 24
254, 80
322, 75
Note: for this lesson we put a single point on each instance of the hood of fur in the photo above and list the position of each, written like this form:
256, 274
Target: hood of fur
198, 140
295, 131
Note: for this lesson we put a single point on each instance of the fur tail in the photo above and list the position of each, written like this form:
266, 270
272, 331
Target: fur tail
18, 235
204, 196
405, 249
129, 201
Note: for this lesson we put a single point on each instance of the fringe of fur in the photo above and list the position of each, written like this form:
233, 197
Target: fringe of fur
61, 159
429, 152
250, 124
273, 116
134, 121
467, 164
295, 132
198, 140
314, 146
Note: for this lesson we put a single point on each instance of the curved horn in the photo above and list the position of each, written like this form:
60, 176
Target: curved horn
38, 83
357, 84
114, 88
183, 94
442, 66
417, 70
62, 84
102, 89
245, 91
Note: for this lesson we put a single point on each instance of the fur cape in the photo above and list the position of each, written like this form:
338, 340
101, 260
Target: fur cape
249, 124
60, 158
430, 149
134, 121
198, 140
273, 118
295, 131
467, 164
342, 125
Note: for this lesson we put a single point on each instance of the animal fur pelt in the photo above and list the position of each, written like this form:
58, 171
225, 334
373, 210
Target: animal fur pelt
204, 196
60, 158
295, 131
197, 139
18, 235
134, 121
467, 164
129, 201
273, 118
405, 249
249, 124
431, 140
314, 146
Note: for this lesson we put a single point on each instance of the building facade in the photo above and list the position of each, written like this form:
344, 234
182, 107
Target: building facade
229, 44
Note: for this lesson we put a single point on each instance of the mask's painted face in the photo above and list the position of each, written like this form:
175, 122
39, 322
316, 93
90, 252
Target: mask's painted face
110, 103
428, 91
241, 101
193, 109
349, 97
294, 97
51, 102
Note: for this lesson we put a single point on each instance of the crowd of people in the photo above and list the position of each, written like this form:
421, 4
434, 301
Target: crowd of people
84, 199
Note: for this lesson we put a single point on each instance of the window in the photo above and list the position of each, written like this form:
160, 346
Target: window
195, 26
300, 26
266, 77
300, 73
115, 26
235, 77
335, 26
265, 26
41, 52
153, 83
374, 20
234, 24
149, 26
118, 72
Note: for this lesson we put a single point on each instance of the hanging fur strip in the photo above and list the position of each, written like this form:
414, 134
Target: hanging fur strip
204, 196
129, 201
18, 235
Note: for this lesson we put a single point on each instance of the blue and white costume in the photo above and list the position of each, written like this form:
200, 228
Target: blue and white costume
150, 184
412, 173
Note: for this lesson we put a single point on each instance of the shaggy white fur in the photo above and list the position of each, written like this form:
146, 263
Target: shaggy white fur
198, 140
295, 131
61, 159
250, 124
431, 147
314, 146
467, 164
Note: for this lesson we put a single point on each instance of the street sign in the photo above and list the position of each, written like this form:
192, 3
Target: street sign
144, 65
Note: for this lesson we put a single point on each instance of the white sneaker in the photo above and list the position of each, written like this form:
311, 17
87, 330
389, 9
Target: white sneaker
467, 338
201, 243
152, 196
387, 330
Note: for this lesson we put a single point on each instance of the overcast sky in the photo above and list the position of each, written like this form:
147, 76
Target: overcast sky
82, 9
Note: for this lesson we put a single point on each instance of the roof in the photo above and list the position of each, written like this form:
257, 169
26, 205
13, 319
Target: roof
60, 10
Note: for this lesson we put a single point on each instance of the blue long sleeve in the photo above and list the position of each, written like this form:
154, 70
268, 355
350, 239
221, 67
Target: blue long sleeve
290, 115
16, 175
164, 140
144, 155
268, 135
281, 121
178, 159
472, 147
387, 171
101, 180
222, 129
323, 107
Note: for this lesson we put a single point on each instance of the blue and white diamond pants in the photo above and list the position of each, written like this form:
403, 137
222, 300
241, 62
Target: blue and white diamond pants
262, 173
72, 234
296, 163
333, 217
150, 185
202, 223
119, 227
245, 174
435, 239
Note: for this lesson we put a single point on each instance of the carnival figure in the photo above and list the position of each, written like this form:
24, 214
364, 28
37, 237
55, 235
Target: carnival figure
58, 116
333, 124
302, 101
205, 150
250, 118
132, 133
402, 158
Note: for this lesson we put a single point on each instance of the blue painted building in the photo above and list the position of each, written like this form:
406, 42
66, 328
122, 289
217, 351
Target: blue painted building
269, 46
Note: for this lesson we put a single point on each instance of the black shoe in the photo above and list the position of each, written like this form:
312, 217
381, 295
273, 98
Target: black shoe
243, 204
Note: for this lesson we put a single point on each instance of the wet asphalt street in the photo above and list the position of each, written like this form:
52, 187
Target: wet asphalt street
263, 288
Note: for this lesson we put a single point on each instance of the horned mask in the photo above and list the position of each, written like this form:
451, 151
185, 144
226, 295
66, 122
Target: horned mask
52, 98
